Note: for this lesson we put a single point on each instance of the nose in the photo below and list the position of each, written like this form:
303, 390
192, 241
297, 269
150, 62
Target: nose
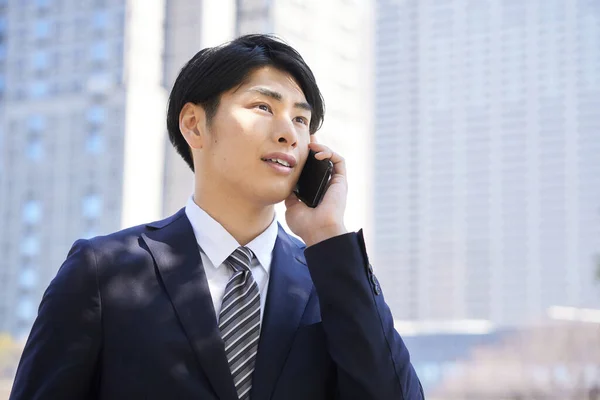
286, 133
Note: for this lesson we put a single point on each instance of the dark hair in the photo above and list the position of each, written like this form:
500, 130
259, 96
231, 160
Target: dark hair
215, 70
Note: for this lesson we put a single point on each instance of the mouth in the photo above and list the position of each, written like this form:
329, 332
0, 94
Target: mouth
281, 163
283, 159
278, 161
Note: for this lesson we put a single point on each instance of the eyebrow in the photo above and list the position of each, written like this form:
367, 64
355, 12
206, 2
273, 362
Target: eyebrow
277, 96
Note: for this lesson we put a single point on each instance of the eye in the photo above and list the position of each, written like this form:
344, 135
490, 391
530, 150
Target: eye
264, 107
301, 120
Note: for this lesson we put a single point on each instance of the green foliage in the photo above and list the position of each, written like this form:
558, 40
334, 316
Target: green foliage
10, 351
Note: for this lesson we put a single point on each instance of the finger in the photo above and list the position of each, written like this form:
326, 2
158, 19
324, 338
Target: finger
339, 164
315, 146
323, 155
323, 152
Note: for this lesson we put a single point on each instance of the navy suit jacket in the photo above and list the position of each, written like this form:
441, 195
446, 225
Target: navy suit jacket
129, 316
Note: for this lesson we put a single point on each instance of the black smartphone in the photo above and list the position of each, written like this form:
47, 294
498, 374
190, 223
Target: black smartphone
313, 180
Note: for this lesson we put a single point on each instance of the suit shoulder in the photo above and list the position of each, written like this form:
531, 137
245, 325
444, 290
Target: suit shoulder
130, 236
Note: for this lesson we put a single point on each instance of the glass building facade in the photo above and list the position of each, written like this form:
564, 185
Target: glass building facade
487, 184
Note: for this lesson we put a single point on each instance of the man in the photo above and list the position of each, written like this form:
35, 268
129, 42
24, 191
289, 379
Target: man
218, 301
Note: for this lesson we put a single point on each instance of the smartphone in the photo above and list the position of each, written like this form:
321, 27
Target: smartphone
313, 181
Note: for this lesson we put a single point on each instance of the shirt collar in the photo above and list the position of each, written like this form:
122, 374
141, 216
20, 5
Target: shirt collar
218, 244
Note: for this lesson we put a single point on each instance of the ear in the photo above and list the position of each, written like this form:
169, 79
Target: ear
192, 125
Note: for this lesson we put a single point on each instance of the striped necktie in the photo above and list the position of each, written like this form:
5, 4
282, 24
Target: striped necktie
239, 321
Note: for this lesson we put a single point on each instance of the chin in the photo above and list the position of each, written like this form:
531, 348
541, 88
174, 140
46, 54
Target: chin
274, 195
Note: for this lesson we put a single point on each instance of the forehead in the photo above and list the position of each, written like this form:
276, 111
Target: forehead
276, 80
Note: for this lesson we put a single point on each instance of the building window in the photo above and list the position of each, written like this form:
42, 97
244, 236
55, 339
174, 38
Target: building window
94, 143
35, 150
41, 29
42, 3
96, 114
100, 20
40, 60
28, 278
92, 206
30, 246
99, 52
32, 212
26, 309
38, 89
36, 123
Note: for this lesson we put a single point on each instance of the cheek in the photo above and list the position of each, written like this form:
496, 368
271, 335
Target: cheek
233, 137
247, 123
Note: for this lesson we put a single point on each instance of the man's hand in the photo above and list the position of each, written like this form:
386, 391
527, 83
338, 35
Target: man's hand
325, 221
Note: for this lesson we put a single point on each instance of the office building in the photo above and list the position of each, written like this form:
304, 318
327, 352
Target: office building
487, 187
81, 133
189, 26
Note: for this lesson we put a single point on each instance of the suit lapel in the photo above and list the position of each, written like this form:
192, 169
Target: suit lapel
290, 286
177, 258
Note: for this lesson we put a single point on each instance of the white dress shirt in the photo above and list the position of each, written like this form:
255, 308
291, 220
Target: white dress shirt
216, 244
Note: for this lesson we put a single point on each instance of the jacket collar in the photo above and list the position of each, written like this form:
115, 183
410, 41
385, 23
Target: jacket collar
173, 246
177, 257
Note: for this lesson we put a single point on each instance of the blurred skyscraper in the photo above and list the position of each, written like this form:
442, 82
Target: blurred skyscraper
190, 26
81, 133
83, 89
487, 157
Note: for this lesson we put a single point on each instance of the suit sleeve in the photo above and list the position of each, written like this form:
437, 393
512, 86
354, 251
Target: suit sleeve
61, 353
371, 358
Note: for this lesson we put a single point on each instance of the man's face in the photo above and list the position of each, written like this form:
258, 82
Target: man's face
258, 140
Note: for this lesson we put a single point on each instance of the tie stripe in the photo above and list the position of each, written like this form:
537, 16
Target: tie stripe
239, 321
231, 291
238, 357
239, 327
229, 304
235, 340
244, 311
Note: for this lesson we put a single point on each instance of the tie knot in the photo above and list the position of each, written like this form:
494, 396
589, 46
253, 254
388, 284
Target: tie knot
240, 259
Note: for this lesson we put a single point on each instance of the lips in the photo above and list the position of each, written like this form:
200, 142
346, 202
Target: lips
278, 161
285, 160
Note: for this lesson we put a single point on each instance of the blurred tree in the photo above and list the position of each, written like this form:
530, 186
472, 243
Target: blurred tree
10, 351
558, 361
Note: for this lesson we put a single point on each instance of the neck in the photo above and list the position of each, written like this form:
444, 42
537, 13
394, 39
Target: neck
243, 220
